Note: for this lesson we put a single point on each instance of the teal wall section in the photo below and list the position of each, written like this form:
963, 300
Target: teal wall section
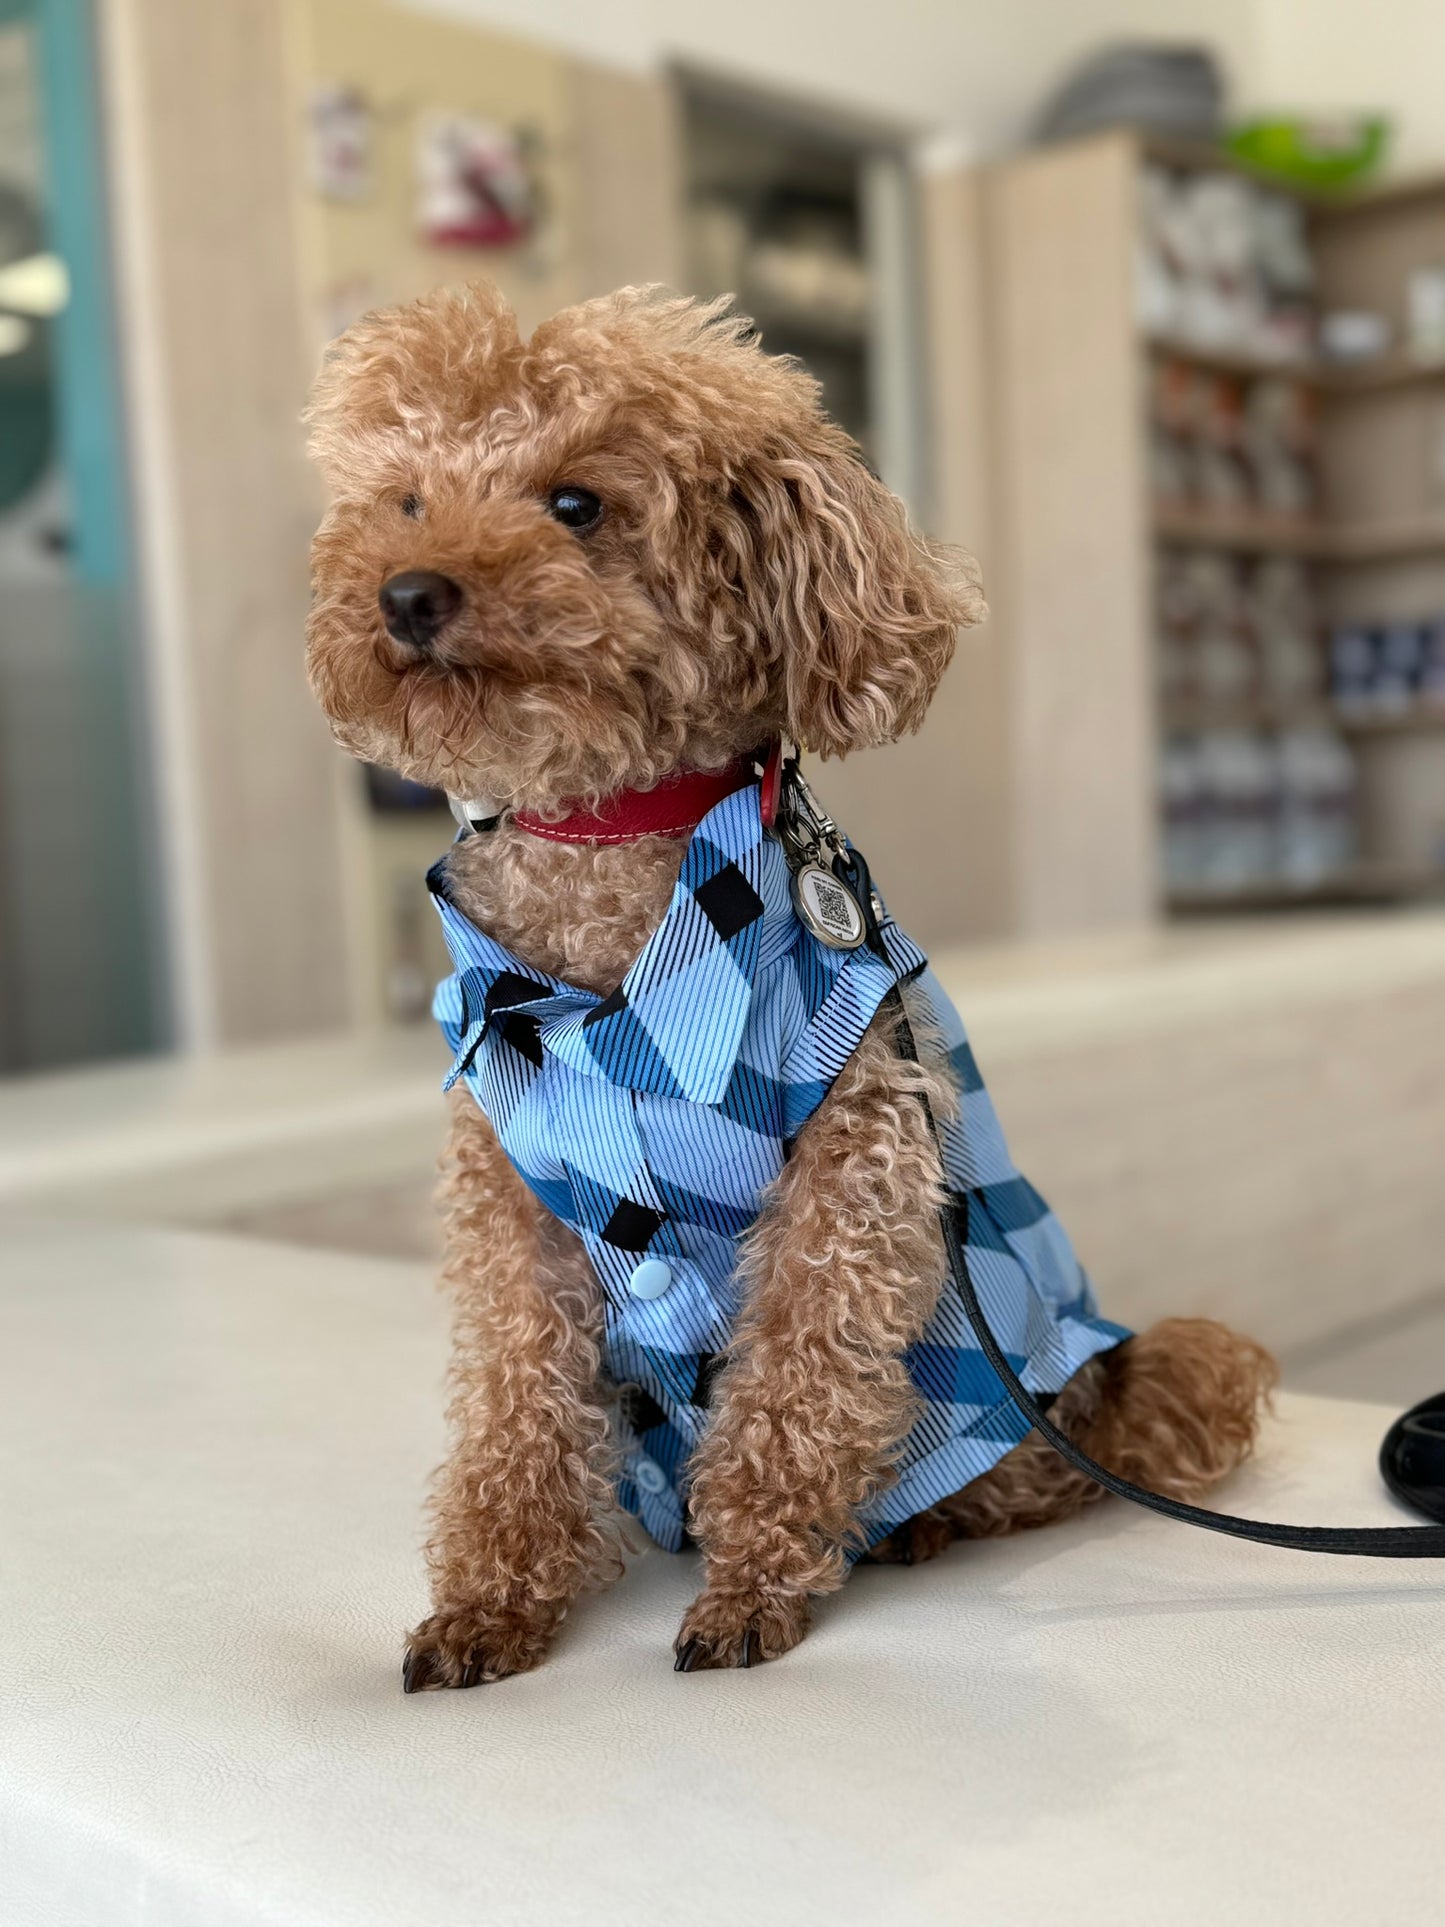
86, 397
83, 976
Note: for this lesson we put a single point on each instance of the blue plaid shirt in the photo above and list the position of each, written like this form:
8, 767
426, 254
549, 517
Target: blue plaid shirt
652, 1120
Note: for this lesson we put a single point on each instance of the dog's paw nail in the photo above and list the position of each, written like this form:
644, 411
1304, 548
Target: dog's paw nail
415, 1672
688, 1657
750, 1647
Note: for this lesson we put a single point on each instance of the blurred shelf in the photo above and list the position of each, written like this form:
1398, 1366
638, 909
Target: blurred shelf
1233, 361
1373, 377
1246, 532
1200, 718
1251, 532
1418, 719
1362, 883
1074, 387
1389, 372
1387, 541
778, 208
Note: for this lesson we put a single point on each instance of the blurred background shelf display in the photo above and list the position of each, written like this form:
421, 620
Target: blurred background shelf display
1265, 374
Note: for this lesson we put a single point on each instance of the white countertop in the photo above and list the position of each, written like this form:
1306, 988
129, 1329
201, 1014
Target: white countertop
190, 1137
212, 1455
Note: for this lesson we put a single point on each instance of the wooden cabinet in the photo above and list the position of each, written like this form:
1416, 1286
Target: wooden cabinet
1079, 534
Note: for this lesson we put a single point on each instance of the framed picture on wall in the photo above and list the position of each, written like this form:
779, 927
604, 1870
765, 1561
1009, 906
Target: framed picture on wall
342, 143
473, 187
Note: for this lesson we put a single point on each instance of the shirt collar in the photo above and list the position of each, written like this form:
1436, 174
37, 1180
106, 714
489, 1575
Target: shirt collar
674, 1026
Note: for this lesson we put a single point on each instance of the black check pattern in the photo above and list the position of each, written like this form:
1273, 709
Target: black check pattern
728, 901
612, 1003
524, 1034
633, 1226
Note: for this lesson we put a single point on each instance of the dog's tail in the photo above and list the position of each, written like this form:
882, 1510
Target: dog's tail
1175, 1409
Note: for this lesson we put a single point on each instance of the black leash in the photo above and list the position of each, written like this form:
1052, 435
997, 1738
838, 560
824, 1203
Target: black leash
1375, 1542
1413, 1455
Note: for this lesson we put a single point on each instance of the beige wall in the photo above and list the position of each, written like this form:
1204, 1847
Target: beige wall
978, 69
1324, 55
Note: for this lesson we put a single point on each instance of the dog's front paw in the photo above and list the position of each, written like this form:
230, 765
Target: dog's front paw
467, 1646
739, 1628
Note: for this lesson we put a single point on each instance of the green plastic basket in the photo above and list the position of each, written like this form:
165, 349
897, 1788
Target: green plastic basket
1314, 153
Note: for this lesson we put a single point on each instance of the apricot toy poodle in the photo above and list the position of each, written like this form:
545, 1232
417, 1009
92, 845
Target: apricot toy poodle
587, 584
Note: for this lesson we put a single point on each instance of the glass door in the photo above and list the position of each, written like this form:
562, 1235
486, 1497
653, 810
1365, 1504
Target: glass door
80, 973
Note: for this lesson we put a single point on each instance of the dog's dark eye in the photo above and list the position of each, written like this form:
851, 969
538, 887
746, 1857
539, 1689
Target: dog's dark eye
411, 505
575, 508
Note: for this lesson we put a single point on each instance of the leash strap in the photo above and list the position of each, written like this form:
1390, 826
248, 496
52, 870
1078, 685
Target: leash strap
1375, 1542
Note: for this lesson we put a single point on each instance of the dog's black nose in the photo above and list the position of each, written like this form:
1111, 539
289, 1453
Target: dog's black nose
417, 605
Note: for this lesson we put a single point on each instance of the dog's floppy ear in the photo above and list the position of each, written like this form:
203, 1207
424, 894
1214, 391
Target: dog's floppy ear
863, 611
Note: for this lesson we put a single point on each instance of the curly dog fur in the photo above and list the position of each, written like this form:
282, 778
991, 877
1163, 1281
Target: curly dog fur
747, 577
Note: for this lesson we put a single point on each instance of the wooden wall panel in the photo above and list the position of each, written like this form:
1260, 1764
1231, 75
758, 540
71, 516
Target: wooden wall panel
201, 151
1070, 572
968, 735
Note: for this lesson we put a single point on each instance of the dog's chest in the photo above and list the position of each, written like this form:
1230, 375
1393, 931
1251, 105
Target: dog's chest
579, 911
652, 1113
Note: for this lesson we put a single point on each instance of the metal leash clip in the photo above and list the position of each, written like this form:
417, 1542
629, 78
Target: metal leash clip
829, 882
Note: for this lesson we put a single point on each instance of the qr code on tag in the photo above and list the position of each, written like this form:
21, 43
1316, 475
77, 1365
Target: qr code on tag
833, 905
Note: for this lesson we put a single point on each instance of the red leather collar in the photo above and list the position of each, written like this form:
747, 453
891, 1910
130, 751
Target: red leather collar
673, 808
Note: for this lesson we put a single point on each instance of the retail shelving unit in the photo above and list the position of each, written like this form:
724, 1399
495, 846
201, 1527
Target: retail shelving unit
1079, 536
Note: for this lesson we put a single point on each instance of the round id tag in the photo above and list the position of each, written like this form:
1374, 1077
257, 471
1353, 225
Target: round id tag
828, 908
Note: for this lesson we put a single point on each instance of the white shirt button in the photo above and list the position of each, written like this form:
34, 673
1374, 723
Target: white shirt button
650, 1476
651, 1278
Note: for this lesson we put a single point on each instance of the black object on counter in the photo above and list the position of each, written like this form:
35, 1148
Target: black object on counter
1412, 1458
